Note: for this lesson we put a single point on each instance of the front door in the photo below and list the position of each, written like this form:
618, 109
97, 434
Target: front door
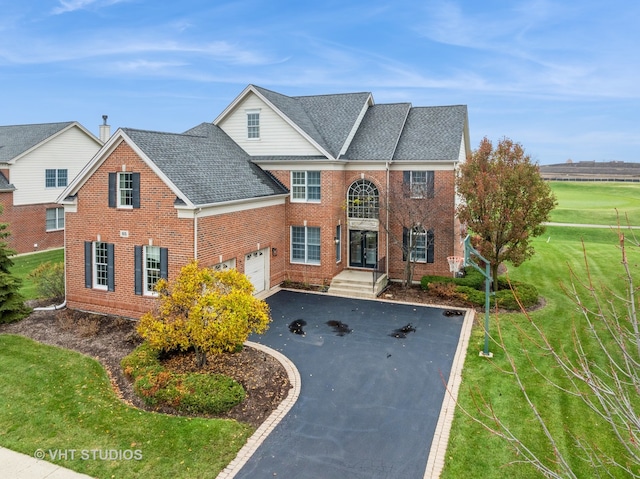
363, 249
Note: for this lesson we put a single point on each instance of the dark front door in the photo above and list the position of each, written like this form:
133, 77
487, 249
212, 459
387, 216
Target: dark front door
363, 249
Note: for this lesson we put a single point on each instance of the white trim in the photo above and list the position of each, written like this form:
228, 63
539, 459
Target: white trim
347, 142
230, 206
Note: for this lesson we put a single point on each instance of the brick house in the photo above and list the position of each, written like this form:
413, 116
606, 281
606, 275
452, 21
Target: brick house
278, 187
36, 163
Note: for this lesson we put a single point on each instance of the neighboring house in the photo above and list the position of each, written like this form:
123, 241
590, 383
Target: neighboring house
37, 162
281, 188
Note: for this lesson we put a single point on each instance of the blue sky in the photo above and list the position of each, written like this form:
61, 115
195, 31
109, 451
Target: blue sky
558, 76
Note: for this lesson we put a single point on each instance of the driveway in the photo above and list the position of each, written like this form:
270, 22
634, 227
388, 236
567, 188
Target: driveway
372, 385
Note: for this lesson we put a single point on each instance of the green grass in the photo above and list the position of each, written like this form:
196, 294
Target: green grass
23, 265
595, 203
53, 399
474, 452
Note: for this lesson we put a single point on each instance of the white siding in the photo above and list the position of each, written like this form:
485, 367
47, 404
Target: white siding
70, 150
277, 137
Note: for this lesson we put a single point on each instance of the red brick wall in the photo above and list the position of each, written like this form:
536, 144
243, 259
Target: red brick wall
233, 235
155, 220
27, 225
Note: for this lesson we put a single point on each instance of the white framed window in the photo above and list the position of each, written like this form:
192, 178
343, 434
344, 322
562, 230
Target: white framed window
305, 186
420, 183
305, 244
363, 200
419, 242
100, 265
253, 124
55, 219
338, 242
55, 178
125, 189
151, 269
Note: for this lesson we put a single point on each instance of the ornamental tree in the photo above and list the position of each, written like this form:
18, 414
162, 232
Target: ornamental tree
212, 311
505, 202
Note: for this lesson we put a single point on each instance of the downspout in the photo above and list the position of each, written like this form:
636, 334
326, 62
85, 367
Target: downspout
195, 233
387, 222
62, 305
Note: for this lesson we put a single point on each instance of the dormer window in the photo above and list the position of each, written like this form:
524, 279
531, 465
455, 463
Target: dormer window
253, 124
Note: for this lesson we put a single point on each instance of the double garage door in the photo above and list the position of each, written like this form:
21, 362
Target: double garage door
256, 267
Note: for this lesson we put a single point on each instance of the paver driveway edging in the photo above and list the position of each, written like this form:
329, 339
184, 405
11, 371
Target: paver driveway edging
274, 418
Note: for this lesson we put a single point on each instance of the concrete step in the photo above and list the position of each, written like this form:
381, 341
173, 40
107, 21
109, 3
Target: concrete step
356, 284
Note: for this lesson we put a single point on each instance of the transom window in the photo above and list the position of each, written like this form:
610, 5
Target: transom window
363, 200
100, 265
125, 189
305, 245
305, 186
55, 178
253, 124
55, 219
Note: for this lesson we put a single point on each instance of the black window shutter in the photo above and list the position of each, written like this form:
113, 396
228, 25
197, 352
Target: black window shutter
164, 263
430, 246
137, 267
111, 281
406, 184
405, 243
88, 262
113, 178
430, 184
135, 177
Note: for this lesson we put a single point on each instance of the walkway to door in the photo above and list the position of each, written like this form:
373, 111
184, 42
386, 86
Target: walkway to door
372, 387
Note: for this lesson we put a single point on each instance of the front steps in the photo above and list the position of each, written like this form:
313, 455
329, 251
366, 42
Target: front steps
357, 284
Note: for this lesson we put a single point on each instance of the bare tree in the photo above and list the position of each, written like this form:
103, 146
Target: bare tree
608, 382
415, 209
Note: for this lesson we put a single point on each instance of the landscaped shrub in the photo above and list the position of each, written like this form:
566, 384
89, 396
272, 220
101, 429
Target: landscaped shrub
191, 393
49, 280
471, 288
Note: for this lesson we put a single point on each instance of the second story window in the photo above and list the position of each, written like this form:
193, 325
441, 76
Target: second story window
253, 125
305, 186
124, 190
55, 178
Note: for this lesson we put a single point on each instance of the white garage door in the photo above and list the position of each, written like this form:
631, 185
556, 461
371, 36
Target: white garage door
255, 267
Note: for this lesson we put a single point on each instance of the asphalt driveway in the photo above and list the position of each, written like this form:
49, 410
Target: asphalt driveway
372, 385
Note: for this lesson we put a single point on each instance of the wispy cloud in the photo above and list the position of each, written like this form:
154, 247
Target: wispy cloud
66, 6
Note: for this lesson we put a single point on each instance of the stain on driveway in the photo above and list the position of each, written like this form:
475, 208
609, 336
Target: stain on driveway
370, 398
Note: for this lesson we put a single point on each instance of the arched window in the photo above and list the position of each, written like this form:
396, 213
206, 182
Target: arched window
363, 200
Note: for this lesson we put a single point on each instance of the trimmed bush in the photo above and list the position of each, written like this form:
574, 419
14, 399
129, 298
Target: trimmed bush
49, 280
190, 393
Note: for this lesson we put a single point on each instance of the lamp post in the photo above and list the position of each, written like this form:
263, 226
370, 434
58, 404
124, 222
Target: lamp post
468, 251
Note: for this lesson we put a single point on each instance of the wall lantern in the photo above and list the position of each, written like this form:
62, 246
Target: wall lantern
274, 251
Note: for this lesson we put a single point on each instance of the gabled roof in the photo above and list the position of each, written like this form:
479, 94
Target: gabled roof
328, 120
206, 165
433, 133
379, 132
16, 140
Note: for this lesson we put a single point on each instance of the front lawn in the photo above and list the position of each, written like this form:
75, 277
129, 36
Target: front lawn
52, 399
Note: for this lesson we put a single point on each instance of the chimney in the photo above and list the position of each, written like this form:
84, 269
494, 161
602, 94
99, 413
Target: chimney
105, 130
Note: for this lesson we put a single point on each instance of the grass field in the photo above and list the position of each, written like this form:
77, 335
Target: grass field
473, 451
23, 265
595, 203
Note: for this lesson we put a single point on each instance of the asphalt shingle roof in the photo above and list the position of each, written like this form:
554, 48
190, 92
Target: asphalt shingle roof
4, 184
206, 164
378, 134
16, 139
432, 133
